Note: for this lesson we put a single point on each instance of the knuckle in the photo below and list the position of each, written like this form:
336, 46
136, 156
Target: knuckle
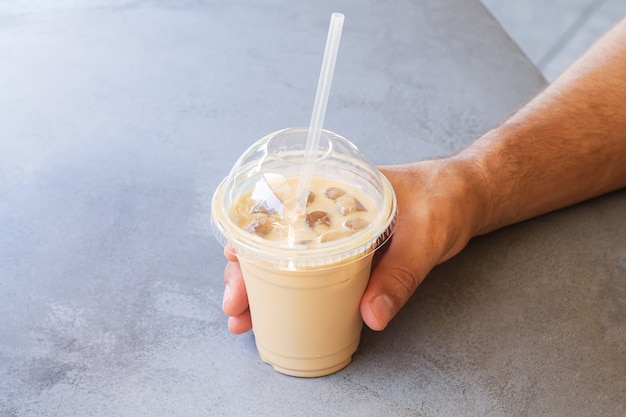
403, 282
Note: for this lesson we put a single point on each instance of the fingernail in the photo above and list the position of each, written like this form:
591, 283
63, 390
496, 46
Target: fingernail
383, 308
226, 295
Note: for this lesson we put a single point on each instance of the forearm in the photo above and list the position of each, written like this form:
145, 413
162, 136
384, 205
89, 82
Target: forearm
565, 146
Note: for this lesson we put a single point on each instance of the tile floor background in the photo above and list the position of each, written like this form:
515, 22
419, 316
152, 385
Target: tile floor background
554, 33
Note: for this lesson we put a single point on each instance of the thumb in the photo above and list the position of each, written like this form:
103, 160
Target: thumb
392, 281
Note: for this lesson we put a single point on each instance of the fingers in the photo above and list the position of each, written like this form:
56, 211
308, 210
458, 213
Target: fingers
409, 257
235, 301
241, 323
392, 282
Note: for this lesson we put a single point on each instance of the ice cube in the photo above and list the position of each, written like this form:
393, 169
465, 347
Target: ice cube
281, 188
334, 192
261, 224
355, 224
262, 207
347, 204
318, 218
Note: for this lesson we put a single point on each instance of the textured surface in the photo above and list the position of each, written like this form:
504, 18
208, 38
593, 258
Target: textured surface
119, 118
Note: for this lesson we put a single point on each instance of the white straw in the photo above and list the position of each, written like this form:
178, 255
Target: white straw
319, 108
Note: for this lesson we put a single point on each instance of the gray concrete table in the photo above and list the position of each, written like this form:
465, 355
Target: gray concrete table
119, 118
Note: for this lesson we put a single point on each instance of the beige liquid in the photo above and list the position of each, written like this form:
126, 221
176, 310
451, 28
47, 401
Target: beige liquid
334, 210
307, 321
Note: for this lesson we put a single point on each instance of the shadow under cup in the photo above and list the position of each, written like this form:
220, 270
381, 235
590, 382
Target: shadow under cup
304, 300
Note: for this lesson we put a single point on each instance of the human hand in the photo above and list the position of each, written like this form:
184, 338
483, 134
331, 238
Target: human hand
437, 215
235, 301
436, 219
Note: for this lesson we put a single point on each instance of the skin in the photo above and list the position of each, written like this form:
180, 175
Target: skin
565, 146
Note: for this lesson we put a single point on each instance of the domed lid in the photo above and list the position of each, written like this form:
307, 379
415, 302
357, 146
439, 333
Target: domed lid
350, 211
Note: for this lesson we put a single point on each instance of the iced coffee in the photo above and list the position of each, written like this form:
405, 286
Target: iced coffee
305, 268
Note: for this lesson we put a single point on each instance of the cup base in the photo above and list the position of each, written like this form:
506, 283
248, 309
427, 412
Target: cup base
309, 367
309, 374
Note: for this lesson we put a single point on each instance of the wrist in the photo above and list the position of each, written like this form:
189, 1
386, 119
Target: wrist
472, 190
455, 193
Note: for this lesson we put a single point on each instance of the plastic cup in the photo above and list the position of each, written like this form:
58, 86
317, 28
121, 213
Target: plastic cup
304, 291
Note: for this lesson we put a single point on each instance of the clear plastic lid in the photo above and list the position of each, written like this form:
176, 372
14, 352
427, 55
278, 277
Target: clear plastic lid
351, 207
